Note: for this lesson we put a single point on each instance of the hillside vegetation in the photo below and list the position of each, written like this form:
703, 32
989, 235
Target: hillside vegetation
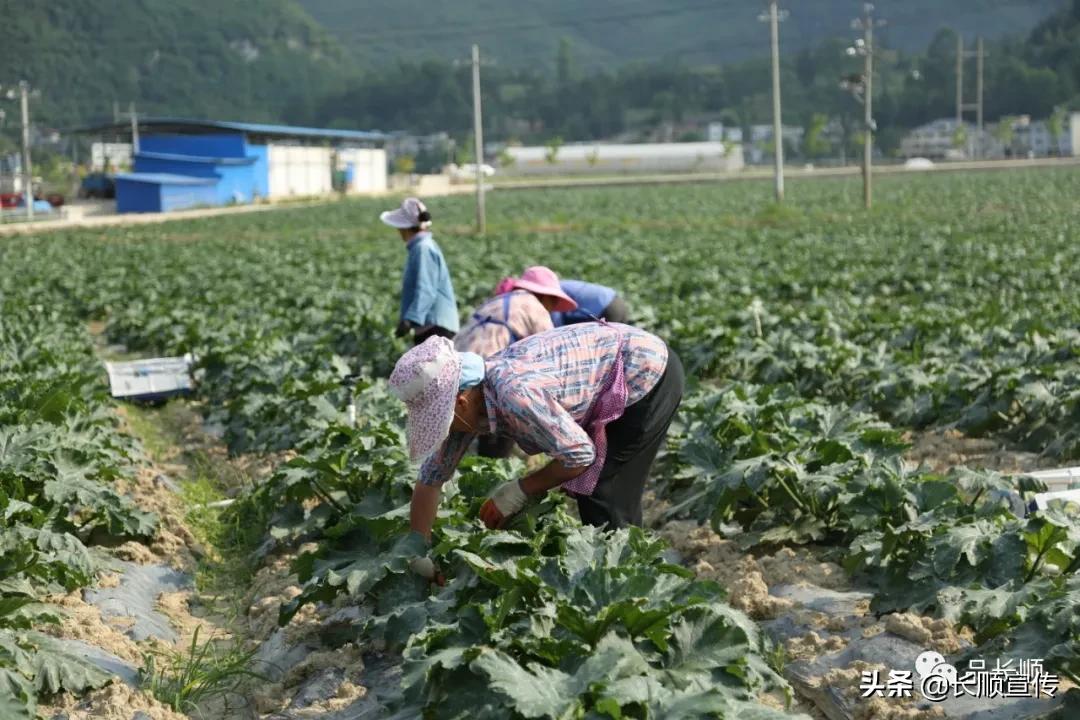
243, 59
595, 71
606, 33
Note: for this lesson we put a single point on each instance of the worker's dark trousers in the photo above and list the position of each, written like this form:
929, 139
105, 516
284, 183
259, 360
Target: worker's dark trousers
432, 331
494, 446
617, 311
633, 441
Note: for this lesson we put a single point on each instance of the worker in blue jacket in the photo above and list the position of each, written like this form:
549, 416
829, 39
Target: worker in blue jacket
595, 302
428, 306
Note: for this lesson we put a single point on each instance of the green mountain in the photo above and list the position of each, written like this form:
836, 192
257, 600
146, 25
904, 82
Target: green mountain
356, 63
606, 33
232, 59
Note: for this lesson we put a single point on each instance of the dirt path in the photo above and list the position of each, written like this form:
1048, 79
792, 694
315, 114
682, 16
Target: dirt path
171, 614
157, 608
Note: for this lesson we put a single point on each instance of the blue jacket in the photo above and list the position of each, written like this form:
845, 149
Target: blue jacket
427, 294
592, 300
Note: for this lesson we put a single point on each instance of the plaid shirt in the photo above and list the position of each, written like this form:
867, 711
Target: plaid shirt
539, 392
502, 321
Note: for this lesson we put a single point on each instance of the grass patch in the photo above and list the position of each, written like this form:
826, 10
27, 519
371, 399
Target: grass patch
171, 433
146, 425
778, 215
232, 533
189, 680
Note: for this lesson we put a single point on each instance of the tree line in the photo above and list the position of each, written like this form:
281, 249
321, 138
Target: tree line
1031, 75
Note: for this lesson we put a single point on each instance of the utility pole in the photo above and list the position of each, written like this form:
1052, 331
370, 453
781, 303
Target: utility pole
863, 89
133, 116
478, 133
975, 144
868, 107
959, 80
979, 55
28, 175
134, 128
774, 17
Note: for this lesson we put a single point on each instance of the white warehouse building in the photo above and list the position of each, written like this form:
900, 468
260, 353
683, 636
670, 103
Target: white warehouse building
600, 158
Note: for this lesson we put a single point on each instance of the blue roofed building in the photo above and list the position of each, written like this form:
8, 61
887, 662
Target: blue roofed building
180, 164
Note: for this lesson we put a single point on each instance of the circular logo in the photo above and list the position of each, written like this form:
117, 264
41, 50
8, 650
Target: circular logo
938, 676
926, 662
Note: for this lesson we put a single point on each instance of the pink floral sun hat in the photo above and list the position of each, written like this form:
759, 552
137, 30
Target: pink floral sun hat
543, 281
427, 379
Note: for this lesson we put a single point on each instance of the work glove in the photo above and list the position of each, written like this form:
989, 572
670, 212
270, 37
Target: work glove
507, 500
425, 568
403, 328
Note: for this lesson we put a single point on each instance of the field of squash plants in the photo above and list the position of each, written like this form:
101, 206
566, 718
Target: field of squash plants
820, 341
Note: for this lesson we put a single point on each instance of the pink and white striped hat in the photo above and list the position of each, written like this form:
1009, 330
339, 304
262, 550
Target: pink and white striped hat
426, 379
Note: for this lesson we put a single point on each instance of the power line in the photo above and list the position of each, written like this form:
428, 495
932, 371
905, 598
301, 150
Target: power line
577, 21
515, 19
444, 29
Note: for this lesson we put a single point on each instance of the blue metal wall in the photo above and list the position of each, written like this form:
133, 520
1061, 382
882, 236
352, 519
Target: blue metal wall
237, 184
194, 167
241, 172
133, 196
161, 194
179, 197
198, 155
261, 169
224, 145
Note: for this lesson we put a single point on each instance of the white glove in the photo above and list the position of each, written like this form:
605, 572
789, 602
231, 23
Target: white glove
424, 567
507, 500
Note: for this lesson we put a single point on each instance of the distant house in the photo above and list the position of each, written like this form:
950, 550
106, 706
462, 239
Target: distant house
110, 156
939, 139
761, 140
1034, 139
181, 163
1025, 138
11, 179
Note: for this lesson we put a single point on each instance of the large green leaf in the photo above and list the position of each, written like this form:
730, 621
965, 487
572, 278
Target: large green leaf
56, 669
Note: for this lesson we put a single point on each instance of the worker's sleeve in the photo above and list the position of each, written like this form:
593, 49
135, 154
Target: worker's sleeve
544, 424
424, 290
440, 467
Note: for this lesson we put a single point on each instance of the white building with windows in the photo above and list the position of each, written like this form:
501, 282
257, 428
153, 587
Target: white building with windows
936, 140
1026, 138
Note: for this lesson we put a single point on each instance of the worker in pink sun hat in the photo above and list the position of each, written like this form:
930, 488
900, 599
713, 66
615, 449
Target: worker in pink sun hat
596, 398
523, 309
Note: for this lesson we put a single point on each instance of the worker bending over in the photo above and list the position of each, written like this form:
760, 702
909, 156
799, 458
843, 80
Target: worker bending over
597, 399
523, 308
594, 302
